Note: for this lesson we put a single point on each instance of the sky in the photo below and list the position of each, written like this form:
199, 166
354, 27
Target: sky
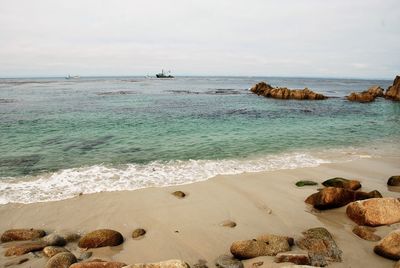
309, 38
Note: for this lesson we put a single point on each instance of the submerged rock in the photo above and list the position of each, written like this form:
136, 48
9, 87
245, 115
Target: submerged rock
69, 236
299, 258
366, 96
366, 233
101, 238
21, 234
228, 223
342, 183
306, 183
268, 91
393, 92
54, 240
50, 251
394, 181
227, 261
21, 249
389, 247
163, 264
375, 211
85, 255
138, 233
179, 194
61, 260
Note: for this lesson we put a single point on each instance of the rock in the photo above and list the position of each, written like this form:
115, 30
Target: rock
179, 194
16, 262
266, 245
21, 249
389, 247
293, 257
138, 233
85, 255
306, 183
394, 181
366, 96
342, 183
54, 240
163, 264
366, 233
375, 211
320, 245
101, 238
393, 92
99, 264
278, 240
50, 251
21, 234
228, 223
332, 197
200, 264
268, 91
227, 261
61, 260
69, 236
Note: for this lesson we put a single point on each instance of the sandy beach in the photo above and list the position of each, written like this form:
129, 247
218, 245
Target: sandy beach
190, 228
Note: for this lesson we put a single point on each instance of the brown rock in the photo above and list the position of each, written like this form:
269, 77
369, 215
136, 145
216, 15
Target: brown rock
394, 181
21, 249
293, 257
228, 223
266, 245
101, 238
389, 247
179, 194
61, 260
342, 183
163, 264
276, 240
98, 264
16, 262
375, 211
320, 244
21, 234
397, 265
50, 251
366, 233
393, 92
138, 233
366, 96
268, 91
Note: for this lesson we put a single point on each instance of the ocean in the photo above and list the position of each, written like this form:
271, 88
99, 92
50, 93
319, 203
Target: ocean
59, 137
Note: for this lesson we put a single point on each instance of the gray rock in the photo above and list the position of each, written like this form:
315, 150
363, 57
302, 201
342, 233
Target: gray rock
227, 261
54, 240
85, 255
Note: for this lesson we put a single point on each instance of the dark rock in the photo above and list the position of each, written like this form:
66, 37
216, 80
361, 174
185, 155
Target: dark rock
21, 234
366, 233
54, 240
375, 211
394, 181
306, 183
268, 91
389, 247
293, 257
228, 223
21, 249
50, 251
101, 238
179, 194
319, 243
342, 183
227, 261
366, 96
393, 92
99, 264
138, 233
61, 260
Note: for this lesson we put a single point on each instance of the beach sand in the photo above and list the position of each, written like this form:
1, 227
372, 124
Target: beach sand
190, 228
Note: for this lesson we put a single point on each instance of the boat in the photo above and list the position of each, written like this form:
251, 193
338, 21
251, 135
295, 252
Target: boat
72, 77
164, 74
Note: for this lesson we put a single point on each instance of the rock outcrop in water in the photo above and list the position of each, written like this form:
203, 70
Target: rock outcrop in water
366, 96
268, 91
393, 92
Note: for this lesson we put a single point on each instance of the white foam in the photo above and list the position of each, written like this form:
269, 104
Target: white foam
70, 182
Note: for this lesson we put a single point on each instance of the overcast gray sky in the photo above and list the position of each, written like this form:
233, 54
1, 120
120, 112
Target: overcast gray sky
341, 38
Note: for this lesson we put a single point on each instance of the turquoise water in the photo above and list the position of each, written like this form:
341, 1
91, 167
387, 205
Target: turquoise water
51, 126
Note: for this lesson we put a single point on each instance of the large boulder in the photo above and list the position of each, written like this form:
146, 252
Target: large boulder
98, 264
394, 181
366, 96
332, 197
265, 245
163, 264
389, 247
21, 234
101, 238
375, 211
268, 91
21, 249
342, 183
61, 260
393, 92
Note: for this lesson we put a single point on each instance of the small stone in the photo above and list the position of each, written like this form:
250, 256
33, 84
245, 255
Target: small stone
366, 233
394, 181
69, 236
21, 249
54, 240
306, 183
227, 261
342, 183
50, 251
389, 246
98, 264
163, 264
256, 264
228, 223
179, 194
61, 260
21, 234
200, 264
101, 238
85, 255
293, 257
138, 233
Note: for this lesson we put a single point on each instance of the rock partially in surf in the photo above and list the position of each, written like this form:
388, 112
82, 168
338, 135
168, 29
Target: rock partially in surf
99, 264
227, 261
393, 92
179, 194
394, 181
22, 249
54, 240
342, 183
138, 233
268, 91
366, 96
101, 238
389, 247
306, 183
366, 233
375, 211
299, 258
162, 264
68, 236
21, 235
50, 251
61, 260
228, 223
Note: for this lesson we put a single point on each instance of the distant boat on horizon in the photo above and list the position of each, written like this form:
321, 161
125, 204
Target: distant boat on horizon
164, 74
72, 77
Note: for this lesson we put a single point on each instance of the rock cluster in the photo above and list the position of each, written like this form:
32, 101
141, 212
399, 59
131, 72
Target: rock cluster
268, 91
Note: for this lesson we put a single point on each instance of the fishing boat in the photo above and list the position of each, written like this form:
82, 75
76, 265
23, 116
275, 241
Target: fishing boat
164, 74
72, 77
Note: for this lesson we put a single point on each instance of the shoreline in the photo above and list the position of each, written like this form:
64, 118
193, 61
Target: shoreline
260, 203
